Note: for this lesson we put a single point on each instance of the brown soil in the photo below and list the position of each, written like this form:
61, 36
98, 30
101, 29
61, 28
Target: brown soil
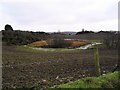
46, 69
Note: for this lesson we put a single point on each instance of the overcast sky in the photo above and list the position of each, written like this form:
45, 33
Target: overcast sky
63, 15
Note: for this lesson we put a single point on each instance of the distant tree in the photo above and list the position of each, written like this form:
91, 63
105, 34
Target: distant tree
22, 37
83, 30
8, 27
112, 41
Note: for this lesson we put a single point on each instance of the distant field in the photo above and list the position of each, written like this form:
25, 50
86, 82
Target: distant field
25, 68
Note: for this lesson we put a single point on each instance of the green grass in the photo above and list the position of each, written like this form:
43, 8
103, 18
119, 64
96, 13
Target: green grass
30, 49
109, 80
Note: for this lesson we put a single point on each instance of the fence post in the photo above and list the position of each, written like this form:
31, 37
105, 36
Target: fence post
96, 61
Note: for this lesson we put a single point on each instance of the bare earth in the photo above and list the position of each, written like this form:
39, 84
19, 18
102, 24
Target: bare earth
46, 69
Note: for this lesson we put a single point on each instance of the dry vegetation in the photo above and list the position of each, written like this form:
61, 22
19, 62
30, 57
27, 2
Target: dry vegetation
78, 43
73, 43
39, 43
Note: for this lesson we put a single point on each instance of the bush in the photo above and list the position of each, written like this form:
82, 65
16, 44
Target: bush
59, 43
112, 41
8, 27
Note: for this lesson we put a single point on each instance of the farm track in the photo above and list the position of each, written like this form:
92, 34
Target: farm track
27, 69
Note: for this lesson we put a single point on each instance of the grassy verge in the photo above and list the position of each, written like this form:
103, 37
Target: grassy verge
110, 80
31, 49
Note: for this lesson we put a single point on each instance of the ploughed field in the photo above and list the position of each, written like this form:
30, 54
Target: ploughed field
45, 69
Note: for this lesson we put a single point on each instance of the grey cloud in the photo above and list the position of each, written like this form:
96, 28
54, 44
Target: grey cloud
60, 12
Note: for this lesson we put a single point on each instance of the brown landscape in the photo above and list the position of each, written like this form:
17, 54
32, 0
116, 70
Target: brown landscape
27, 68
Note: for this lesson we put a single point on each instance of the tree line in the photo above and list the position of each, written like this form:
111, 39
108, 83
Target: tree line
17, 37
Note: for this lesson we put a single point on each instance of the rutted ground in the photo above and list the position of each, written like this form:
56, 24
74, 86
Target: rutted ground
27, 69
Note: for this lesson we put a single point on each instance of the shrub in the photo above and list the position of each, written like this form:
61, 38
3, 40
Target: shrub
112, 40
8, 27
59, 43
